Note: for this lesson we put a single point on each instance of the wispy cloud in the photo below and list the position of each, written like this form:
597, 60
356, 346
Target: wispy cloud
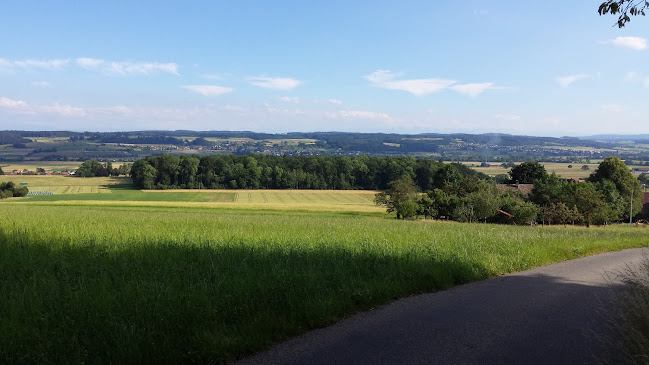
89, 63
7, 103
362, 114
290, 99
419, 87
335, 101
473, 90
565, 81
279, 83
126, 68
33, 64
636, 43
208, 90
144, 68
41, 84
22, 107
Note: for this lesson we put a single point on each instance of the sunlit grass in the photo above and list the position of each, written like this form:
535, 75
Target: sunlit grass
214, 283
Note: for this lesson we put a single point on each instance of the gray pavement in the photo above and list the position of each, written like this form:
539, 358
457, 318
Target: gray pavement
549, 315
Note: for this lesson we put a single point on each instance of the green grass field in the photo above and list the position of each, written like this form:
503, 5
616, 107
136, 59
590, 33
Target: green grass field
99, 284
84, 191
210, 276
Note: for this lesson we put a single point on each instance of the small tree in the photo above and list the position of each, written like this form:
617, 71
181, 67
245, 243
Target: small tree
1, 172
400, 197
527, 172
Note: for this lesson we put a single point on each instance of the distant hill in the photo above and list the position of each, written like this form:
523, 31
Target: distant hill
617, 137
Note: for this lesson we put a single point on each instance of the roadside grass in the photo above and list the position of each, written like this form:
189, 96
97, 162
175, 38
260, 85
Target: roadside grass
629, 320
101, 284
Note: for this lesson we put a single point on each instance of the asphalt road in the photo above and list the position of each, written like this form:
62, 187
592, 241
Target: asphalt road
549, 315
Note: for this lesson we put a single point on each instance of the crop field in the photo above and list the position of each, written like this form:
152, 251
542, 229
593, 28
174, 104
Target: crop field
561, 169
65, 185
84, 191
33, 165
121, 284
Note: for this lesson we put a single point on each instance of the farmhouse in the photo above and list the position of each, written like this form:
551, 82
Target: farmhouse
640, 170
524, 189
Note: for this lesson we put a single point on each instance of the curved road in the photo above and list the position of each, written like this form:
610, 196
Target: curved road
548, 315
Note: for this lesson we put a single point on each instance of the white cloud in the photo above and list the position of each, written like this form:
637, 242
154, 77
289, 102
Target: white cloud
335, 101
41, 84
473, 90
143, 68
208, 90
646, 82
47, 64
632, 76
635, 43
89, 63
362, 114
290, 99
612, 107
280, 83
11, 104
565, 81
419, 87
8, 65
63, 110
22, 107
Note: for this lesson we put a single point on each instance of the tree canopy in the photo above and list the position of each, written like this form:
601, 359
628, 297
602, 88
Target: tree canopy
527, 172
624, 9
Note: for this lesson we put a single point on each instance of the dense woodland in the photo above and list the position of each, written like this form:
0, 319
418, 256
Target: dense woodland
289, 172
414, 187
605, 198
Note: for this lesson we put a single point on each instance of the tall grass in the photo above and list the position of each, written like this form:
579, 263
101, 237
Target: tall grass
141, 284
628, 321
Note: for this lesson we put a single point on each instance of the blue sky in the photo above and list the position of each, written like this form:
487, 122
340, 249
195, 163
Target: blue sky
514, 67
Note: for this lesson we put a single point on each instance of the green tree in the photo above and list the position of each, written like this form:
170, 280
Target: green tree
522, 211
477, 205
623, 8
614, 170
589, 202
527, 172
1, 172
400, 197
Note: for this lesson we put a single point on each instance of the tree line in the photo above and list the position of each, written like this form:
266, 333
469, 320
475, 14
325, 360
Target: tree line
611, 194
94, 168
9, 190
289, 172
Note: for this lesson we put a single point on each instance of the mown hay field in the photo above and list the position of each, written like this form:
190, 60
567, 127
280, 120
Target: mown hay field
211, 284
83, 191
65, 185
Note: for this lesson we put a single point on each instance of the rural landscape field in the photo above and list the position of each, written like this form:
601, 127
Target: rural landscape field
91, 271
220, 182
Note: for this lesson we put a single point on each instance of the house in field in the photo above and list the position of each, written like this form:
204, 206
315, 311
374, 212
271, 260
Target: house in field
524, 189
576, 179
640, 170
